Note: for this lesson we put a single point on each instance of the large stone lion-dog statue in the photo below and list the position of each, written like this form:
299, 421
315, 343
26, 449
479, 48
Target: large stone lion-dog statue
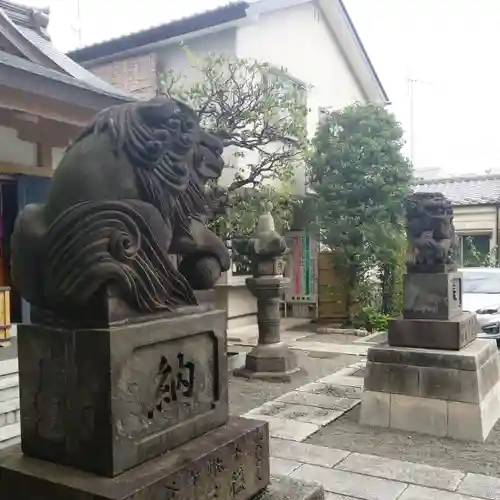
128, 194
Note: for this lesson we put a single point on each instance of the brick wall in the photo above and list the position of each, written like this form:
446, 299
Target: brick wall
136, 75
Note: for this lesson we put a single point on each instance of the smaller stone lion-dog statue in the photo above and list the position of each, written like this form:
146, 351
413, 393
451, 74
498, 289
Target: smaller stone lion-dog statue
128, 194
431, 234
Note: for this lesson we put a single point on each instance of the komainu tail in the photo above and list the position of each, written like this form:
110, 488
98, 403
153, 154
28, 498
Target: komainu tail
120, 243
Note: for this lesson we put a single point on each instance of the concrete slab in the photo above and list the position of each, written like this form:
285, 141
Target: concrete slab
306, 453
423, 475
348, 483
301, 413
334, 496
332, 390
356, 350
336, 379
282, 466
287, 429
318, 400
480, 486
421, 493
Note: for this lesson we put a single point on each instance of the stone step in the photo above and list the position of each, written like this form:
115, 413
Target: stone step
9, 387
237, 453
10, 442
9, 367
9, 412
9, 432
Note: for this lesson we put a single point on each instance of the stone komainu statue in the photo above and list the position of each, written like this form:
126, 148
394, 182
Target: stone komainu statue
430, 231
128, 194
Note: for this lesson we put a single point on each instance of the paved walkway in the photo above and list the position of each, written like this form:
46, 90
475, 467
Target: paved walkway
297, 340
299, 413
349, 476
296, 415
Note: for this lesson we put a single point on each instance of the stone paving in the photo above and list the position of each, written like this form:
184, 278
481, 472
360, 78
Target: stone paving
346, 475
296, 415
303, 341
299, 413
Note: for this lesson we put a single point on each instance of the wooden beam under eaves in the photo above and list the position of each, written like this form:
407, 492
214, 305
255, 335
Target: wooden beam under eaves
13, 169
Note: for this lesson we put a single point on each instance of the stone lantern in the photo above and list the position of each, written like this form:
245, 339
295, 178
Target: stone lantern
271, 359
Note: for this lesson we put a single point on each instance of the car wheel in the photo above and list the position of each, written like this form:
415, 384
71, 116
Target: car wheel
498, 342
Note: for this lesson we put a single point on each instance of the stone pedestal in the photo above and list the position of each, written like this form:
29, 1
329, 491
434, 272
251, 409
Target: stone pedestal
452, 334
229, 463
131, 392
271, 359
432, 295
432, 314
442, 393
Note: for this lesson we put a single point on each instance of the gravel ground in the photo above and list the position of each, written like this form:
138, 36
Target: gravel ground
245, 395
346, 434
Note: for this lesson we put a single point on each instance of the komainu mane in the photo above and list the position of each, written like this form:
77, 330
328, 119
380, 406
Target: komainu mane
128, 195
432, 243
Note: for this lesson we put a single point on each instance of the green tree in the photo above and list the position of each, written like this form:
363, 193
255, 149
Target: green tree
478, 257
361, 177
260, 114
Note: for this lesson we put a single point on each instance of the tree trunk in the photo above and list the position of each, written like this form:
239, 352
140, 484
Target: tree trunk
351, 282
387, 284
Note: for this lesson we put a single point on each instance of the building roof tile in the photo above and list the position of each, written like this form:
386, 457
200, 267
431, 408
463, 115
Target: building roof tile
24, 28
467, 190
202, 20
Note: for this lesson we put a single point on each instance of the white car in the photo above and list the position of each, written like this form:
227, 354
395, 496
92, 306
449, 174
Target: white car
481, 294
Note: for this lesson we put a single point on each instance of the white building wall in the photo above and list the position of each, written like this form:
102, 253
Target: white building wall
474, 219
299, 40
57, 154
175, 56
14, 150
178, 58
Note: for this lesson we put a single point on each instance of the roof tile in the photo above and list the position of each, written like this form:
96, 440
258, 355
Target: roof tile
219, 15
470, 190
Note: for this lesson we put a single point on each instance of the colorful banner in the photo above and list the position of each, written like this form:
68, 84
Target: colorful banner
302, 268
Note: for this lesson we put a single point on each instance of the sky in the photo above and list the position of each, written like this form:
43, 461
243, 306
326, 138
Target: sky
448, 46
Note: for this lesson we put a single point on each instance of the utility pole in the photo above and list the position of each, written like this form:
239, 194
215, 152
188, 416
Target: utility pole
411, 95
78, 22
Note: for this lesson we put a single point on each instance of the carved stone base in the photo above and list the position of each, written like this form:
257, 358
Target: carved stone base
228, 463
270, 362
106, 400
432, 295
451, 394
453, 334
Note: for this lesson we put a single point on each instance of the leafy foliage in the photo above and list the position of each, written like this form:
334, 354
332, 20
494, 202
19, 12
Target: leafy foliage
260, 114
361, 178
371, 319
477, 258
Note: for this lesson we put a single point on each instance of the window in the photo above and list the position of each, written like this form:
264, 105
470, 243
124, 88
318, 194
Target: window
473, 249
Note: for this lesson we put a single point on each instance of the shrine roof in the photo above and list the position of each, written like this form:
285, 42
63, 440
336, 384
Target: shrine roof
26, 45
